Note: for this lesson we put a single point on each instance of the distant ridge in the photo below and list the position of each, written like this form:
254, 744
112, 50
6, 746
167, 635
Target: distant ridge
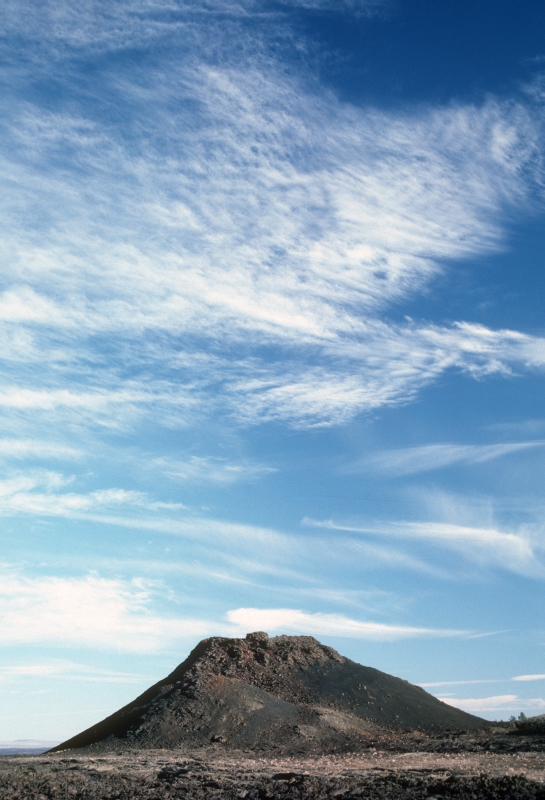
281, 694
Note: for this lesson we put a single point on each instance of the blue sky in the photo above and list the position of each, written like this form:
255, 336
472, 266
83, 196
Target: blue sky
273, 352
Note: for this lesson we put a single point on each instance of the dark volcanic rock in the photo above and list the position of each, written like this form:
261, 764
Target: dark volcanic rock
207, 774
285, 694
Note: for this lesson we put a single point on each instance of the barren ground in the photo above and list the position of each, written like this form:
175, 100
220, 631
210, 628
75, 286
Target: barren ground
487, 767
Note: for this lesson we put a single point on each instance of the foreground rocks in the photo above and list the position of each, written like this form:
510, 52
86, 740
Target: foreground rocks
487, 768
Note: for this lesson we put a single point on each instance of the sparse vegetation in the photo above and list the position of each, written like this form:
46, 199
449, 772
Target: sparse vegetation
530, 725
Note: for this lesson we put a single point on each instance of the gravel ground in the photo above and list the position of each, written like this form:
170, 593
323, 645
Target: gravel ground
473, 772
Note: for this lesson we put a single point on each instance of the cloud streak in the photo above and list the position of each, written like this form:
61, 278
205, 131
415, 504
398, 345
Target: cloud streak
497, 703
485, 547
24, 494
494, 680
412, 460
30, 448
67, 670
295, 621
209, 469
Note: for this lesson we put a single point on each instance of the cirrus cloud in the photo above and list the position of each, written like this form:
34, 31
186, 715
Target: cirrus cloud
518, 552
275, 219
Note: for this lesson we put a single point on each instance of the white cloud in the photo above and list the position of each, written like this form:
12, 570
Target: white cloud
411, 460
67, 669
486, 547
494, 680
32, 399
277, 217
288, 620
497, 703
115, 614
31, 448
385, 365
456, 683
202, 529
129, 23
21, 495
90, 611
78, 412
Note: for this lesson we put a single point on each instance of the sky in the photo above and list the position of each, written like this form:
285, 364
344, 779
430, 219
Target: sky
272, 343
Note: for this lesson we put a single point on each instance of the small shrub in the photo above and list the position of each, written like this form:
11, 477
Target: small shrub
530, 725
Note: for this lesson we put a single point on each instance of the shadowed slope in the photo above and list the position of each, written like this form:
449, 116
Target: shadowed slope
280, 694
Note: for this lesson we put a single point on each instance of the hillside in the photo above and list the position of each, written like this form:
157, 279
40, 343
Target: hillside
282, 694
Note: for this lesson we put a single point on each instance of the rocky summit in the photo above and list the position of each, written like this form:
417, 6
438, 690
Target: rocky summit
279, 695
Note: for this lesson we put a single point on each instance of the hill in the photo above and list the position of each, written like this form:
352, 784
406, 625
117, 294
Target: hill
281, 694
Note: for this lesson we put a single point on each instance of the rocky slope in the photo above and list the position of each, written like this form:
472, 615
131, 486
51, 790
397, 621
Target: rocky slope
280, 695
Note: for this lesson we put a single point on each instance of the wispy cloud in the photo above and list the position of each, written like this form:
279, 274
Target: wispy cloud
110, 405
31, 448
278, 218
126, 23
67, 669
486, 547
24, 494
242, 548
391, 558
212, 469
411, 460
457, 683
288, 620
493, 680
497, 703
527, 427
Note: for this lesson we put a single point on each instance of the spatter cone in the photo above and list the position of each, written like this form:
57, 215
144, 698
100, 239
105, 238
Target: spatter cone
282, 694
